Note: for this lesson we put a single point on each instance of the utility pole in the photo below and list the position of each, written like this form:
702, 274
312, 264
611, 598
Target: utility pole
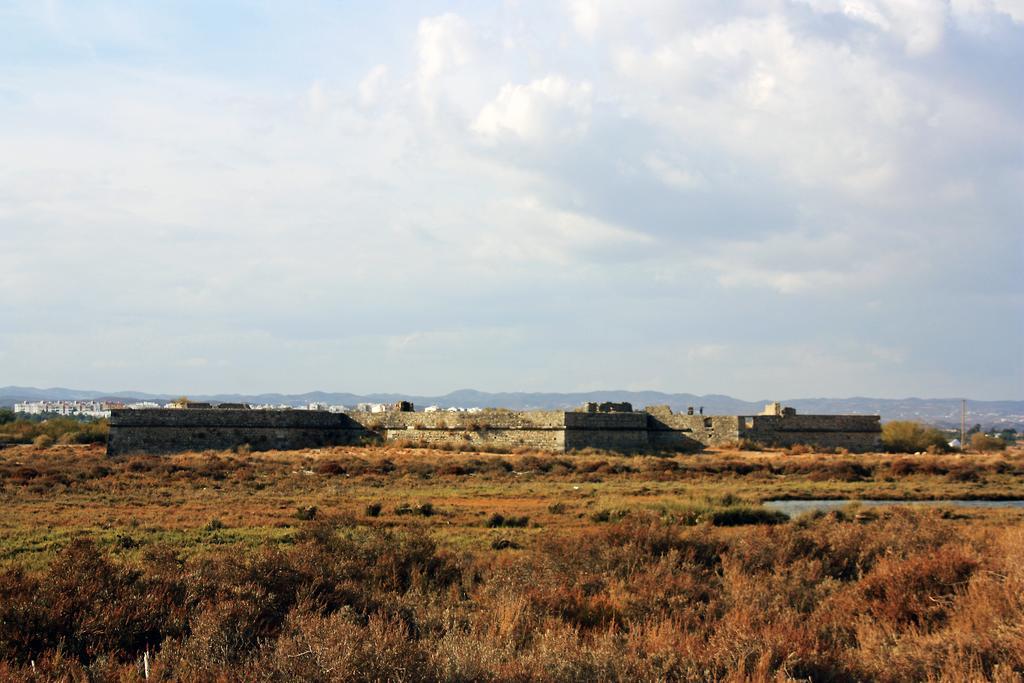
963, 422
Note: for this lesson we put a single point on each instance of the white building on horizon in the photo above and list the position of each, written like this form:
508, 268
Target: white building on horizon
64, 408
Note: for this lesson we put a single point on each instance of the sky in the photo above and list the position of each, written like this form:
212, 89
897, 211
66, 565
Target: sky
760, 198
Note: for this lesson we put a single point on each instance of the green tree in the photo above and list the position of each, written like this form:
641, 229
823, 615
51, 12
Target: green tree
904, 436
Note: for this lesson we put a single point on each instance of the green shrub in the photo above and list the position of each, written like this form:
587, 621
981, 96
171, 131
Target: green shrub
85, 434
903, 436
64, 430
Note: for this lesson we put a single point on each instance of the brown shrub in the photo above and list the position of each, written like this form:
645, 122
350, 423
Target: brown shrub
841, 470
923, 465
533, 463
329, 468
965, 472
908, 596
984, 443
651, 464
588, 466
457, 469
88, 607
918, 590
315, 647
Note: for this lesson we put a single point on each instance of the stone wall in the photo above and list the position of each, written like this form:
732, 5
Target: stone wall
498, 429
655, 429
459, 421
853, 432
672, 431
497, 439
175, 430
680, 431
623, 432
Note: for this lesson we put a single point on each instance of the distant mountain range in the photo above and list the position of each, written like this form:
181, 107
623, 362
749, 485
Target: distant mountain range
937, 411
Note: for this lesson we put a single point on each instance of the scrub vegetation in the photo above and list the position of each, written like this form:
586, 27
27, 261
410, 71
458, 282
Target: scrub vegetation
394, 564
902, 436
46, 432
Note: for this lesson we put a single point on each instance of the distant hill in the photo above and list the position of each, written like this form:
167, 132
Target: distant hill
938, 411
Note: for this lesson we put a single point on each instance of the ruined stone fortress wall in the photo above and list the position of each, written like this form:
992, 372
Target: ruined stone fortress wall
654, 429
853, 432
161, 430
679, 431
624, 432
504, 429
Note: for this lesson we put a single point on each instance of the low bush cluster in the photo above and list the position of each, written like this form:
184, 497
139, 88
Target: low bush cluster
88, 469
984, 443
910, 596
45, 433
422, 509
498, 520
903, 436
742, 515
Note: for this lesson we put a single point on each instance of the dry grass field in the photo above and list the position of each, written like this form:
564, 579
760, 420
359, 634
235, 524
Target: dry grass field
398, 564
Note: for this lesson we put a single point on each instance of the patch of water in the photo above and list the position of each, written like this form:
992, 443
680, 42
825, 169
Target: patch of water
798, 507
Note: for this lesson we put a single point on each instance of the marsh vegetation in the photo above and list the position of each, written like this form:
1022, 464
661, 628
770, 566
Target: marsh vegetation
393, 564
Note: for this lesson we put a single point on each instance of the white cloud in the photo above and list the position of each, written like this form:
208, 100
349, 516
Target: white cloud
317, 98
817, 264
979, 15
675, 176
826, 115
918, 24
541, 111
444, 43
525, 229
467, 188
706, 352
586, 16
434, 341
603, 18
372, 84
1012, 8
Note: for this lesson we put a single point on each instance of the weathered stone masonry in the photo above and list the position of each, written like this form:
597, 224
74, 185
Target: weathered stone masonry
653, 429
172, 430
